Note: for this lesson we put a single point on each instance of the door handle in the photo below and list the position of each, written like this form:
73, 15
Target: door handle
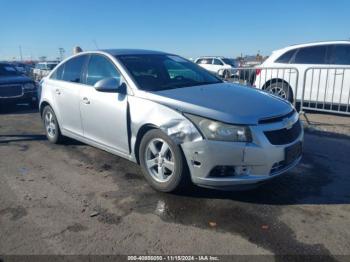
86, 100
58, 92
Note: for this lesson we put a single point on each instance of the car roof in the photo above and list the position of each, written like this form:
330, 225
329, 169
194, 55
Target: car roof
203, 57
118, 52
316, 43
51, 62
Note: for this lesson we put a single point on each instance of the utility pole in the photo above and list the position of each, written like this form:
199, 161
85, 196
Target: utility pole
20, 53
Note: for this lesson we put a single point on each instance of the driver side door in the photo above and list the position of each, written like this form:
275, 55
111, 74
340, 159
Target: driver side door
104, 114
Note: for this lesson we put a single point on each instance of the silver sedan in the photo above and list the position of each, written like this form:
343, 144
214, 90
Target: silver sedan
175, 119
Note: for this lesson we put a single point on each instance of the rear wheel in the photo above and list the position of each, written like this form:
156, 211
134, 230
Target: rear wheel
162, 162
52, 129
281, 89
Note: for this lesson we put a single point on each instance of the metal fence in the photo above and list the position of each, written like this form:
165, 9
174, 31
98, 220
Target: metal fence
324, 89
281, 81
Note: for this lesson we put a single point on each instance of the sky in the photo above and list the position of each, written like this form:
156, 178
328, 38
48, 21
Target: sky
189, 28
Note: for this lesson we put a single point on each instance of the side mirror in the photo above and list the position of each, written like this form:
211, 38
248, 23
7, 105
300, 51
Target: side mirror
110, 85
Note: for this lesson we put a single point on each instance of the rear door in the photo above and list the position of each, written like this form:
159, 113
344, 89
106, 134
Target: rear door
66, 90
217, 65
339, 83
104, 114
316, 81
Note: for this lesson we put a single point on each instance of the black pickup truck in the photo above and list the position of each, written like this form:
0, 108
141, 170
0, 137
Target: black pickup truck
16, 88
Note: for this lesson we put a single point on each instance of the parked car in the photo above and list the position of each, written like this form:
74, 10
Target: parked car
175, 119
21, 67
224, 67
283, 73
42, 69
15, 87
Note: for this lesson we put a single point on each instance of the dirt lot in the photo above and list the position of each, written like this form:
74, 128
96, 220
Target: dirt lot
75, 199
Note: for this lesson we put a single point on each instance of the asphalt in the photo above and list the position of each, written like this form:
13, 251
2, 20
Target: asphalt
75, 199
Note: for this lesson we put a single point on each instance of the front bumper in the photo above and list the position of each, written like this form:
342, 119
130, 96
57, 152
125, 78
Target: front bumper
253, 162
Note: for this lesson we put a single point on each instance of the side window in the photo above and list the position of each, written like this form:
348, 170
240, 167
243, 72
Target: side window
99, 68
286, 57
217, 62
205, 61
340, 55
73, 68
311, 55
58, 73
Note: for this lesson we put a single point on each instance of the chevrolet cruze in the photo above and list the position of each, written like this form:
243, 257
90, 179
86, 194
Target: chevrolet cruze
174, 118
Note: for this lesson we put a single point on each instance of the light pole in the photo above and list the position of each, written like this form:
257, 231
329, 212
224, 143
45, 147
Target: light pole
20, 53
61, 52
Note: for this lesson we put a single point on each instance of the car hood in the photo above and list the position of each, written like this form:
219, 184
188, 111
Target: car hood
14, 79
229, 103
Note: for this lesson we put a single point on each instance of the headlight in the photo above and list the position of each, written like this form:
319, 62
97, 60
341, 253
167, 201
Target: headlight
29, 86
214, 130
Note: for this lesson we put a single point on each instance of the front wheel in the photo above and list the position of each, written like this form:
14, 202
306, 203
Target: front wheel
162, 162
227, 74
52, 129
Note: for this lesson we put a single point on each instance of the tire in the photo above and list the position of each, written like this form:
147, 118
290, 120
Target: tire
226, 74
156, 171
282, 90
52, 128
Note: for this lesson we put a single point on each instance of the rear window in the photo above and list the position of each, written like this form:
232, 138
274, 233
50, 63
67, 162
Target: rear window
286, 57
340, 55
311, 55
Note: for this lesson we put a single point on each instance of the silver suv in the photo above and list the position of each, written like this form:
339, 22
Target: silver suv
175, 119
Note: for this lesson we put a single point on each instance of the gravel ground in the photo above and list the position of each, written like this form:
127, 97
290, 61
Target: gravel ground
75, 199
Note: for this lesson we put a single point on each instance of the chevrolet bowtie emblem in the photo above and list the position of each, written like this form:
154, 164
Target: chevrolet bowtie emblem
288, 123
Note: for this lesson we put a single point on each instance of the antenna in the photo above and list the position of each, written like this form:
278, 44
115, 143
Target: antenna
95, 43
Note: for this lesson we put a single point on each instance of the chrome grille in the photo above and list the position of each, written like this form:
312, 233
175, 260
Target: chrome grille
11, 91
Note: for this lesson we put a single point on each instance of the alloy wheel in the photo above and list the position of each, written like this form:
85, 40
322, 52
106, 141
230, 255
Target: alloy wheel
50, 124
159, 159
278, 91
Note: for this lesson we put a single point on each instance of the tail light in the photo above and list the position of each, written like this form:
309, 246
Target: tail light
257, 72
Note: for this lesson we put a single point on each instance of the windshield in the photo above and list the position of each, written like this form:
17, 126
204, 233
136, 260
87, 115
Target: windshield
162, 72
231, 62
8, 70
51, 66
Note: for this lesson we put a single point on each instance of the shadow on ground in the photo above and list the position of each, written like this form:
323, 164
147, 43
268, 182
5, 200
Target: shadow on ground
17, 109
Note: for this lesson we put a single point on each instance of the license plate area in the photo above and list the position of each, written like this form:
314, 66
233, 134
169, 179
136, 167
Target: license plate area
292, 153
